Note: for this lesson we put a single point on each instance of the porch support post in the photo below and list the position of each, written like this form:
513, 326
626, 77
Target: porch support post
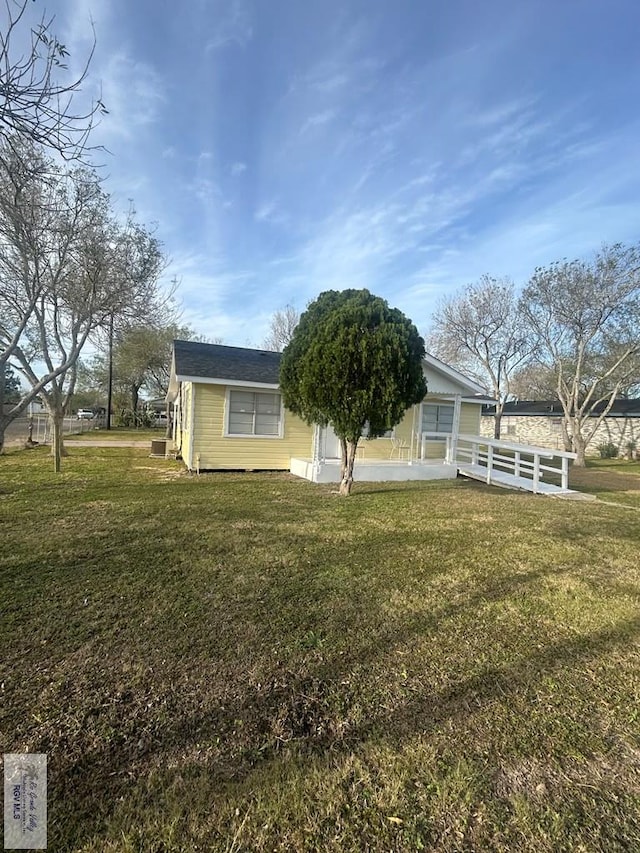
455, 430
414, 437
316, 450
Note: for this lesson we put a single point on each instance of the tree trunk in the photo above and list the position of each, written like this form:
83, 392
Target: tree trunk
343, 458
3, 423
497, 423
346, 483
57, 441
579, 447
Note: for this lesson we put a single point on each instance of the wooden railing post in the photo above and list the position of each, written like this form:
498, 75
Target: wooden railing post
517, 463
536, 472
565, 472
489, 462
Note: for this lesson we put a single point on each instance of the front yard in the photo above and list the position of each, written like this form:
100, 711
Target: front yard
247, 662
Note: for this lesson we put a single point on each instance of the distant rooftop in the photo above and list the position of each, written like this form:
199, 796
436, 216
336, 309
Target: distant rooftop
623, 407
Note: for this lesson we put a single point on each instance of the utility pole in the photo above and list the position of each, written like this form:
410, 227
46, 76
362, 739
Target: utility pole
110, 378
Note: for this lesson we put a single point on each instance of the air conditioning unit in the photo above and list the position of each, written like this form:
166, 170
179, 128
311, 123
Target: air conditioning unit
158, 447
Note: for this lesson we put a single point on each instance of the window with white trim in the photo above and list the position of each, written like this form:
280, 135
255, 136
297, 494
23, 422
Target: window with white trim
437, 417
254, 413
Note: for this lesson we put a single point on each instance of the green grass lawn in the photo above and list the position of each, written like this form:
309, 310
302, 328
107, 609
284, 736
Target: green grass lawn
248, 662
121, 434
612, 480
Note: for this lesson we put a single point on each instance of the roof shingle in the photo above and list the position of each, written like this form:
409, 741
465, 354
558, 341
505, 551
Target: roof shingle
235, 364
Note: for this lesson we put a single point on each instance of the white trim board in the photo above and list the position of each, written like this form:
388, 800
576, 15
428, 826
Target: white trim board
202, 380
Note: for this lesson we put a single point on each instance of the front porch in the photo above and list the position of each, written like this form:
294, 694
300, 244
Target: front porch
495, 462
374, 470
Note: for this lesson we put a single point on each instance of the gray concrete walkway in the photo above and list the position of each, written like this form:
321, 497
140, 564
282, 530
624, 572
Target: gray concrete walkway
116, 442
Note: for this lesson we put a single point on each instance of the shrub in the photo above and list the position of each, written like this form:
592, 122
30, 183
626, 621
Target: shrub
608, 450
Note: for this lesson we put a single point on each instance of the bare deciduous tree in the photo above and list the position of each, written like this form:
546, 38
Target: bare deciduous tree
480, 331
66, 266
281, 327
586, 319
37, 103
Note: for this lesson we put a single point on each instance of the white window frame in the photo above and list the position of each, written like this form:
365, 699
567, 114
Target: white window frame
251, 390
439, 405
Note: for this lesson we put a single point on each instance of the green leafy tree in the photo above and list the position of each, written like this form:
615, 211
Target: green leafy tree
355, 363
11, 390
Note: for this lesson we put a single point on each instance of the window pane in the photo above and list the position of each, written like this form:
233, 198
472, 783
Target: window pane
429, 418
267, 424
240, 423
268, 403
242, 401
437, 418
445, 418
254, 413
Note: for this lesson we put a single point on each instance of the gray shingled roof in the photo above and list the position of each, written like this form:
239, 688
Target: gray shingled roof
236, 364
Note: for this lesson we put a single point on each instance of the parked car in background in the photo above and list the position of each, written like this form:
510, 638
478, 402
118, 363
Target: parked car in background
85, 414
160, 419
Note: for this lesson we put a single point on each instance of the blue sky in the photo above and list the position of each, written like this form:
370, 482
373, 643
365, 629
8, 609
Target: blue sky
285, 147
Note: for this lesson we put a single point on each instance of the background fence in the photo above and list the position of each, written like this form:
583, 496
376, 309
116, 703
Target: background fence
18, 430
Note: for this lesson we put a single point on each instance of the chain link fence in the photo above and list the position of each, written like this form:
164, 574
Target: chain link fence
38, 429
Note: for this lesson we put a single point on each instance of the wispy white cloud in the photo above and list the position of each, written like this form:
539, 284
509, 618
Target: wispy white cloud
272, 213
393, 151
317, 120
134, 93
234, 27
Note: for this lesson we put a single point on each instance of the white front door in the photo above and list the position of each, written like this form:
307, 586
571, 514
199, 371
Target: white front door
332, 449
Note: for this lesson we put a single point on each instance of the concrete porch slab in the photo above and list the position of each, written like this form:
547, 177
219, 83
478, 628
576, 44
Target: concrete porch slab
373, 471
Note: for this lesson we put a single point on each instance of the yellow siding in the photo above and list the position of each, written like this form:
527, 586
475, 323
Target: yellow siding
380, 448
470, 418
218, 451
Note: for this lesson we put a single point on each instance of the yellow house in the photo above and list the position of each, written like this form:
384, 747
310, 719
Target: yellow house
228, 415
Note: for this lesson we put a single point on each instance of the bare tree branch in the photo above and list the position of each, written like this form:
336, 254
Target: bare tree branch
36, 102
480, 332
283, 323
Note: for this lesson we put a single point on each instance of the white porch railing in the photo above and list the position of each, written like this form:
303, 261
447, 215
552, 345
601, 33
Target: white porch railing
523, 460
439, 438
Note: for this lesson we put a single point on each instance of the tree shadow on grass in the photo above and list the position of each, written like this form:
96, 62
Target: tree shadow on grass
316, 706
